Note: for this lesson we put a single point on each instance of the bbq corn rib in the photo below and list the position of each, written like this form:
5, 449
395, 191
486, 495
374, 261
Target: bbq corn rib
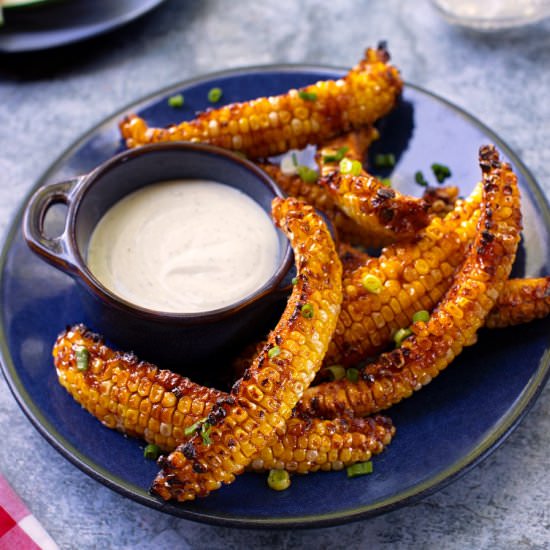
454, 322
261, 402
521, 301
385, 214
355, 144
158, 406
412, 276
272, 125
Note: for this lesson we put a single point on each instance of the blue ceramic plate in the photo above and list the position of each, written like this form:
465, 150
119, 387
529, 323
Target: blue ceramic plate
441, 432
52, 23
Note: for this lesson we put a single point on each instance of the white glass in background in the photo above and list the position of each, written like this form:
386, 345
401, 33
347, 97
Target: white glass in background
493, 14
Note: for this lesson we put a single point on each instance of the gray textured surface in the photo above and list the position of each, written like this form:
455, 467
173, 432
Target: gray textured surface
502, 79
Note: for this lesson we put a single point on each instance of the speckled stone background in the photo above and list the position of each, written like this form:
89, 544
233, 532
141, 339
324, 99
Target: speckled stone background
46, 102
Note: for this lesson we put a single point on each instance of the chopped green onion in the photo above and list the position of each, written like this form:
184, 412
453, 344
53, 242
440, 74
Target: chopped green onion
352, 375
176, 101
307, 311
273, 352
307, 96
294, 159
206, 428
351, 167
386, 182
338, 156
214, 95
151, 452
190, 430
337, 371
384, 160
441, 172
419, 178
371, 283
82, 358
359, 469
294, 281
278, 480
401, 335
307, 174
421, 315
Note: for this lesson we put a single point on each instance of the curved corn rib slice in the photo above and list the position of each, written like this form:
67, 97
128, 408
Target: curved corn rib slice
272, 125
454, 322
156, 405
521, 301
316, 444
386, 215
351, 145
262, 401
413, 276
356, 143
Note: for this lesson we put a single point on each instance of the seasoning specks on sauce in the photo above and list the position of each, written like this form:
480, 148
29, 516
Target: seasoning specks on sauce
184, 246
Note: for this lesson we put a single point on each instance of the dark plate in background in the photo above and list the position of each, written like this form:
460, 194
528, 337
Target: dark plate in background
57, 23
441, 431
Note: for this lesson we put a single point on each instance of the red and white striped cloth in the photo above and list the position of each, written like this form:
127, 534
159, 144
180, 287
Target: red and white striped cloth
19, 529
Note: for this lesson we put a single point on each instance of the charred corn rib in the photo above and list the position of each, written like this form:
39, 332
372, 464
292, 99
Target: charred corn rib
351, 145
308, 446
385, 214
521, 301
272, 125
158, 406
355, 144
413, 276
455, 321
262, 401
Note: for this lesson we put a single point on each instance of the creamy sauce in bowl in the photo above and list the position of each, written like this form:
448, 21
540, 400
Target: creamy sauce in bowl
184, 246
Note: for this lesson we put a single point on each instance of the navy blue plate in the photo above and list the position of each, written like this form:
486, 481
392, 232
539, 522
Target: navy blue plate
441, 432
47, 25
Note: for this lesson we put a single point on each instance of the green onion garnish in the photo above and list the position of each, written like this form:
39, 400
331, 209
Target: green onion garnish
214, 95
151, 452
421, 315
384, 160
338, 156
401, 335
294, 281
190, 430
273, 352
351, 167
352, 375
278, 480
386, 182
419, 178
441, 172
294, 159
307, 311
371, 283
307, 174
82, 358
206, 428
176, 101
337, 371
359, 469
307, 96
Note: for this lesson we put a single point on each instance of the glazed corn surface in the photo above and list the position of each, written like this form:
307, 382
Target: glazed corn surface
384, 213
455, 321
156, 405
412, 276
521, 301
272, 125
262, 401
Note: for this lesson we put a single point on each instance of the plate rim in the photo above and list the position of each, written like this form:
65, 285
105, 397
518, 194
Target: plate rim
490, 443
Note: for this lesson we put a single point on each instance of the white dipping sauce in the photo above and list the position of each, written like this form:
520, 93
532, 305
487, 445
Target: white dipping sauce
184, 247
